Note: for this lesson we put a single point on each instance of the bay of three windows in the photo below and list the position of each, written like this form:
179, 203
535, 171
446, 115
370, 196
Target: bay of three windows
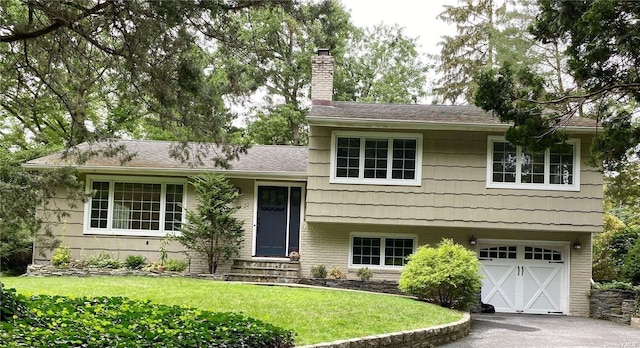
376, 158
141, 208
513, 166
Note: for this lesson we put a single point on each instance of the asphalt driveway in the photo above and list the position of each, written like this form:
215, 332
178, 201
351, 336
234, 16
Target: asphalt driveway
523, 330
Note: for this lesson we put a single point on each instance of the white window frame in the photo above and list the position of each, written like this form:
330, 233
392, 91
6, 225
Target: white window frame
416, 181
383, 238
575, 186
112, 179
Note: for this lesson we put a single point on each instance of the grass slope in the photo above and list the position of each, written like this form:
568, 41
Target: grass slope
316, 315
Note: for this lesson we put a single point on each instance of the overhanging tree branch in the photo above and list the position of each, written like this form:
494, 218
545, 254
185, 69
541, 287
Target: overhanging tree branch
567, 98
57, 24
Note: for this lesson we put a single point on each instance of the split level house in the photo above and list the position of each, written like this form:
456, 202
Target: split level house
375, 182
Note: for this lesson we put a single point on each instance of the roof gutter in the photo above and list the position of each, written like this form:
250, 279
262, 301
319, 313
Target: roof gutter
183, 172
425, 125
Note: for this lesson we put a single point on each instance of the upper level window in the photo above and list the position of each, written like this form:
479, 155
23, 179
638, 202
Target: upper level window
510, 166
376, 158
145, 207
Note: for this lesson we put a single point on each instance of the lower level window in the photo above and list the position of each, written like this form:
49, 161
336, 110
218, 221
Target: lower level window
381, 251
138, 207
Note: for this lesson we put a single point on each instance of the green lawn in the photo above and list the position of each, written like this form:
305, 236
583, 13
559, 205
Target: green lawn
315, 315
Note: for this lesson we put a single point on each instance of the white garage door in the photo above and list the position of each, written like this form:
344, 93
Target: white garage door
524, 277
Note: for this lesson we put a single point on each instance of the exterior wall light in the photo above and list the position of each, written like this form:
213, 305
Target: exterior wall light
577, 245
473, 240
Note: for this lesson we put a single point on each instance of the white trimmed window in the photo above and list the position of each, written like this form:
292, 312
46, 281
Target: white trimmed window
510, 166
376, 158
380, 251
140, 207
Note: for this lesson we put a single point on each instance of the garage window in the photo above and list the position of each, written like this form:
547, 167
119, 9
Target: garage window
499, 252
533, 253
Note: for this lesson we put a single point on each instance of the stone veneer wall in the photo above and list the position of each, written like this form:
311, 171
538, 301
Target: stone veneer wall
430, 337
51, 271
613, 305
382, 286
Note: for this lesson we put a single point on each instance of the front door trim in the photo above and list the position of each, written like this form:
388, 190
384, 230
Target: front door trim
258, 183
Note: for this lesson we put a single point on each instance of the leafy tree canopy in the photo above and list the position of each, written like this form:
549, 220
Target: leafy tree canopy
76, 71
381, 64
603, 49
25, 202
488, 33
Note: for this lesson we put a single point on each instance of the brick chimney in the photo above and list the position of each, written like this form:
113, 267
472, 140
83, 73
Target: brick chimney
322, 78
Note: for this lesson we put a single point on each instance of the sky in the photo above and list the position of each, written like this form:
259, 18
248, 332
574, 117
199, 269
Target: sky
417, 16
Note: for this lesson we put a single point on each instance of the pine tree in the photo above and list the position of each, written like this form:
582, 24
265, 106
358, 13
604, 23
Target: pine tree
489, 33
211, 229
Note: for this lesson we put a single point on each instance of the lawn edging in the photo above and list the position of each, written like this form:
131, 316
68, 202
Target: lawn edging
52, 271
428, 337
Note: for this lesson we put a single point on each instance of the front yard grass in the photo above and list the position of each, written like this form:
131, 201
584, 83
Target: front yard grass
315, 315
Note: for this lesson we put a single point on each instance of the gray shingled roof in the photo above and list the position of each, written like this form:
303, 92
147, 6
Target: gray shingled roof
154, 155
415, 113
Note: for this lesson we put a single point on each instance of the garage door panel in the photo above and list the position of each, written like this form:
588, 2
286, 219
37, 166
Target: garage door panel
498, 284
543, 288
531, 282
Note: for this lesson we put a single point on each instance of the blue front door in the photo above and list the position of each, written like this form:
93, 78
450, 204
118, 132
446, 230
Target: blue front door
271, 230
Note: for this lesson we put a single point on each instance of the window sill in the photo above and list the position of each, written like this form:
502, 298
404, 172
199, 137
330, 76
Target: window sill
383, 269
133, 233
416, 183
534, 187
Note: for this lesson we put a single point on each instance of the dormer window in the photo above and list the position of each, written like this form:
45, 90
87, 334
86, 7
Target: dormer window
510, 166
376, 158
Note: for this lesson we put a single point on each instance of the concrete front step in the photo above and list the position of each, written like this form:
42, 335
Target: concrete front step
266, 264
271, 271
260, 278
294, 268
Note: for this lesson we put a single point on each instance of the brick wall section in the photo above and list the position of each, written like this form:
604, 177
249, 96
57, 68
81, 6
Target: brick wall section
430, 337
321, 78
613, 305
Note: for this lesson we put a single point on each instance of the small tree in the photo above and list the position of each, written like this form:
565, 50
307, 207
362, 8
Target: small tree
631, 268
211, 229
448, 275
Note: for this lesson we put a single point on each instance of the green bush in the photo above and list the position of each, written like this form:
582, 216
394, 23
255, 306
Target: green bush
319, 271
61, 256
364, 273
175, 265
104, 260
134, 261
57, 321
336, 273
11, 304
615, 286
610, 249
448, 275
631, 268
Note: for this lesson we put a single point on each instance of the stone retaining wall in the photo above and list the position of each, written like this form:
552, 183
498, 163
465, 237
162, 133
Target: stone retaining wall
51, 271
382, 286
430, 337
613, 305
